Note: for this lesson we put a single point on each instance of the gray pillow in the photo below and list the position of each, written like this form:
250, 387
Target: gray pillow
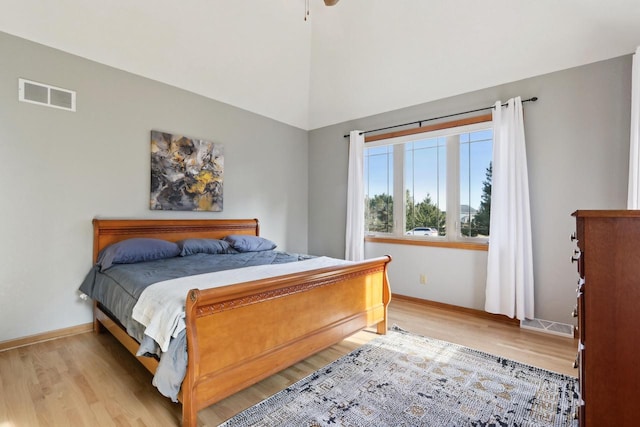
204, 246
135, 250
245, 243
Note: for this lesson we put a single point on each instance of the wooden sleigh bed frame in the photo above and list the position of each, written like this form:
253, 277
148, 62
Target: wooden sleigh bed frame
240, 334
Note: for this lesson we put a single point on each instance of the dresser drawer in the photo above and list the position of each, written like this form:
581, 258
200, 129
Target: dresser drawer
607, 257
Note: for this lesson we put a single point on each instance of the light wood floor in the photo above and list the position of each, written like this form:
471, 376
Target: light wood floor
91, 380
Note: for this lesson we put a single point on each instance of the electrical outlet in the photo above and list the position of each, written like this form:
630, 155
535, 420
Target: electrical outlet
423, 279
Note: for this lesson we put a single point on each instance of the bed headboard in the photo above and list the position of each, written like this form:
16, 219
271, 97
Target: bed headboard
108, 231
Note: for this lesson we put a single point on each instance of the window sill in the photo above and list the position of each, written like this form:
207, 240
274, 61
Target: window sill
433, 243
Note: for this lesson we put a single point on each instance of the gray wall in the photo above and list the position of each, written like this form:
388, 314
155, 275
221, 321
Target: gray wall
59, 169
577, 138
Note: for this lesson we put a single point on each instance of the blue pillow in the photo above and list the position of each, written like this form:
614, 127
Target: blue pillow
245, 243
135, 250
204, 246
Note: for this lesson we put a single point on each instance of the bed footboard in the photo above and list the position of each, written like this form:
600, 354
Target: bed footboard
238, 335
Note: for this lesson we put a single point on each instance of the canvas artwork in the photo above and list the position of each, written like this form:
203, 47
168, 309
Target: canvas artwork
186, 173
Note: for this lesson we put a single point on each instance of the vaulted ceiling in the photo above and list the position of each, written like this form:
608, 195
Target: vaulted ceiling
354, 59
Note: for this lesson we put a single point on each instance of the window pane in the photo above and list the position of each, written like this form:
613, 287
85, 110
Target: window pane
425, 187
378, 189
475, 182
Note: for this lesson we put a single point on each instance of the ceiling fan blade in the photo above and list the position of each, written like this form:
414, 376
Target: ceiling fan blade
330, 2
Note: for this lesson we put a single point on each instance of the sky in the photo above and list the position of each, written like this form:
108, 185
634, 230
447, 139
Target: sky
425, 168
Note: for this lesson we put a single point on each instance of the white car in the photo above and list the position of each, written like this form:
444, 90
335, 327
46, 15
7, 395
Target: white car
423, 231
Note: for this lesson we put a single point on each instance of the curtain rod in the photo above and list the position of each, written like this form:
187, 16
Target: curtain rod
419, 122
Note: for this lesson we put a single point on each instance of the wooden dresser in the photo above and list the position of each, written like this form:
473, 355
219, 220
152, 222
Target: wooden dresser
608, 311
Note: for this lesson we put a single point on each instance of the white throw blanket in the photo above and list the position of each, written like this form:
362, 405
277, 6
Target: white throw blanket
161, 306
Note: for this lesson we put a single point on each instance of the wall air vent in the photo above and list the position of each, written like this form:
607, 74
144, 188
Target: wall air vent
43, 94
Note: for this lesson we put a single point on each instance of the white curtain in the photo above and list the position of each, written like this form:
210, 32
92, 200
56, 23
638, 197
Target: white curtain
510, 267
354, 250
633, 200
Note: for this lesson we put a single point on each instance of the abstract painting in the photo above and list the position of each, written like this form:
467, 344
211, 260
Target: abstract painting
186, 173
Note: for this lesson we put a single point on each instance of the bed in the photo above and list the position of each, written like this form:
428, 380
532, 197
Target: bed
265, 325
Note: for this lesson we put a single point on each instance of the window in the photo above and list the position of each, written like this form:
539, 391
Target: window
475, 182
378, 172
440, 181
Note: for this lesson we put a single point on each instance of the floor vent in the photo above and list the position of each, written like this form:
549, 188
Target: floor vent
547, 326
47, 95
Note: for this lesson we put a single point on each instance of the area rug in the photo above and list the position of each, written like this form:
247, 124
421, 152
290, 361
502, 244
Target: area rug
402, 379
